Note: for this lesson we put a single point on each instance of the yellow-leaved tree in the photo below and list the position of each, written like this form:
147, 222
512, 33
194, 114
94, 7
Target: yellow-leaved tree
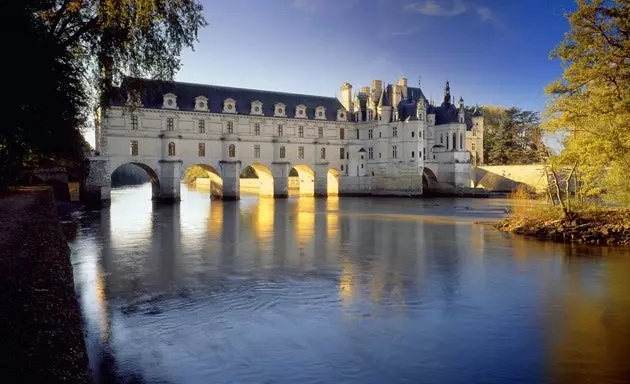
591, 102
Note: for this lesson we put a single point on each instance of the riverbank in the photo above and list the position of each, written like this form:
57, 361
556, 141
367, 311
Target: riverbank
606, 226
40, 326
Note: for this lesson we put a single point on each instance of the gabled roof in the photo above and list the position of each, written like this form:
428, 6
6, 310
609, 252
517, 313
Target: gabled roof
154, 90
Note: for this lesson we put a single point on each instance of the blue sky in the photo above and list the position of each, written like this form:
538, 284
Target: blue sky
492, 51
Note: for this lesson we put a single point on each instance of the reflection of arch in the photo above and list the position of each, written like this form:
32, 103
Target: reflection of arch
153, 177
303, 183
333, 182
262, 185
205, 176
171, 149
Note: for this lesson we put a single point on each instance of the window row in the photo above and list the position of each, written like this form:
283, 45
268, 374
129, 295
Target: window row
452, 144
394, 133
229, 128
255, 108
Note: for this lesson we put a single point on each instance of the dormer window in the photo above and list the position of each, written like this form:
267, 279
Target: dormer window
256, 108
170, 101
341, 115
134, 99
279, 110
320, 113
300, 111
229, 105
201, 103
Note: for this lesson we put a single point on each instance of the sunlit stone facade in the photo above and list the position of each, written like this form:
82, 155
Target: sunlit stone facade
381, 140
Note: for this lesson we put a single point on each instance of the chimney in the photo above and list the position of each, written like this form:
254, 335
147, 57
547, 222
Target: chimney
346, 96
365, 90
402, 82
396, 95
377, 85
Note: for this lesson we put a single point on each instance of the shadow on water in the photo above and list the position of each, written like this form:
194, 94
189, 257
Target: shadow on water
342, 290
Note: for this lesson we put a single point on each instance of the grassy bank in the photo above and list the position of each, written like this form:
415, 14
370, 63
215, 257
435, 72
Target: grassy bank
40, 325
595, 225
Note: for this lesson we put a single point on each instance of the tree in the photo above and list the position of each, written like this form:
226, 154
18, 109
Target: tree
116, 38
43, 113
512, 136
592, 99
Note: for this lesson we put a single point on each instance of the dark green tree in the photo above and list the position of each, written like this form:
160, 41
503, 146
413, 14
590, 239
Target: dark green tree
512, 136
44, 109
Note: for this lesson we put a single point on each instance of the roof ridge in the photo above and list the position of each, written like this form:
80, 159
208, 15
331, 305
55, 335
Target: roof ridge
235, 88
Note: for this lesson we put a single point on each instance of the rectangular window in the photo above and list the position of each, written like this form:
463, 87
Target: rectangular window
257, 129
280, 130
370, 153
341, 167
358, 137
394, 152
342, 133
413, 154
257, 151
322, 153
473, 146
394, 132
133, 147
379, 155
202, 150
202, 126
134, 122
342, 153
301, 131
413, 133
380, 135
474, 132
424, 153
370, 133
300, 152
320, 132
230, 127
170, 125
420, 134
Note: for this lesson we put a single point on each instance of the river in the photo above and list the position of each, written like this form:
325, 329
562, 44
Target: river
342, 290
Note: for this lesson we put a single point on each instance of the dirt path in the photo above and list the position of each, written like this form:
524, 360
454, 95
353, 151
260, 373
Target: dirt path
41, 337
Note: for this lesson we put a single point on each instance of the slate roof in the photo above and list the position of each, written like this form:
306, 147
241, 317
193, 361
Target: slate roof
153, 92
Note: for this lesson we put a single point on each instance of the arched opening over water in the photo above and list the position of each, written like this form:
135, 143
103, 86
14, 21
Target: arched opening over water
301, 181
257, 179
136, 173
205, 178
333, 182
429, 180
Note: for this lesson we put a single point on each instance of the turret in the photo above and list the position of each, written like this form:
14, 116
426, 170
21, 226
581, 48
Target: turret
461, 111
384, 105
421, 109
447, 94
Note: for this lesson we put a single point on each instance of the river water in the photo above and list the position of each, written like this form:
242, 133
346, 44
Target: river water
343, 290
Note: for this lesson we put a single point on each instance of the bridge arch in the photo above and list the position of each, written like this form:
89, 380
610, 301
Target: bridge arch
150, 173
302, 180
262, 183
205, 176
333, 182
429, 180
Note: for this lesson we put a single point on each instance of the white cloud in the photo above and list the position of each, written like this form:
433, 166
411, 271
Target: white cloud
447, 8
485, 14
450, 8
325, 5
